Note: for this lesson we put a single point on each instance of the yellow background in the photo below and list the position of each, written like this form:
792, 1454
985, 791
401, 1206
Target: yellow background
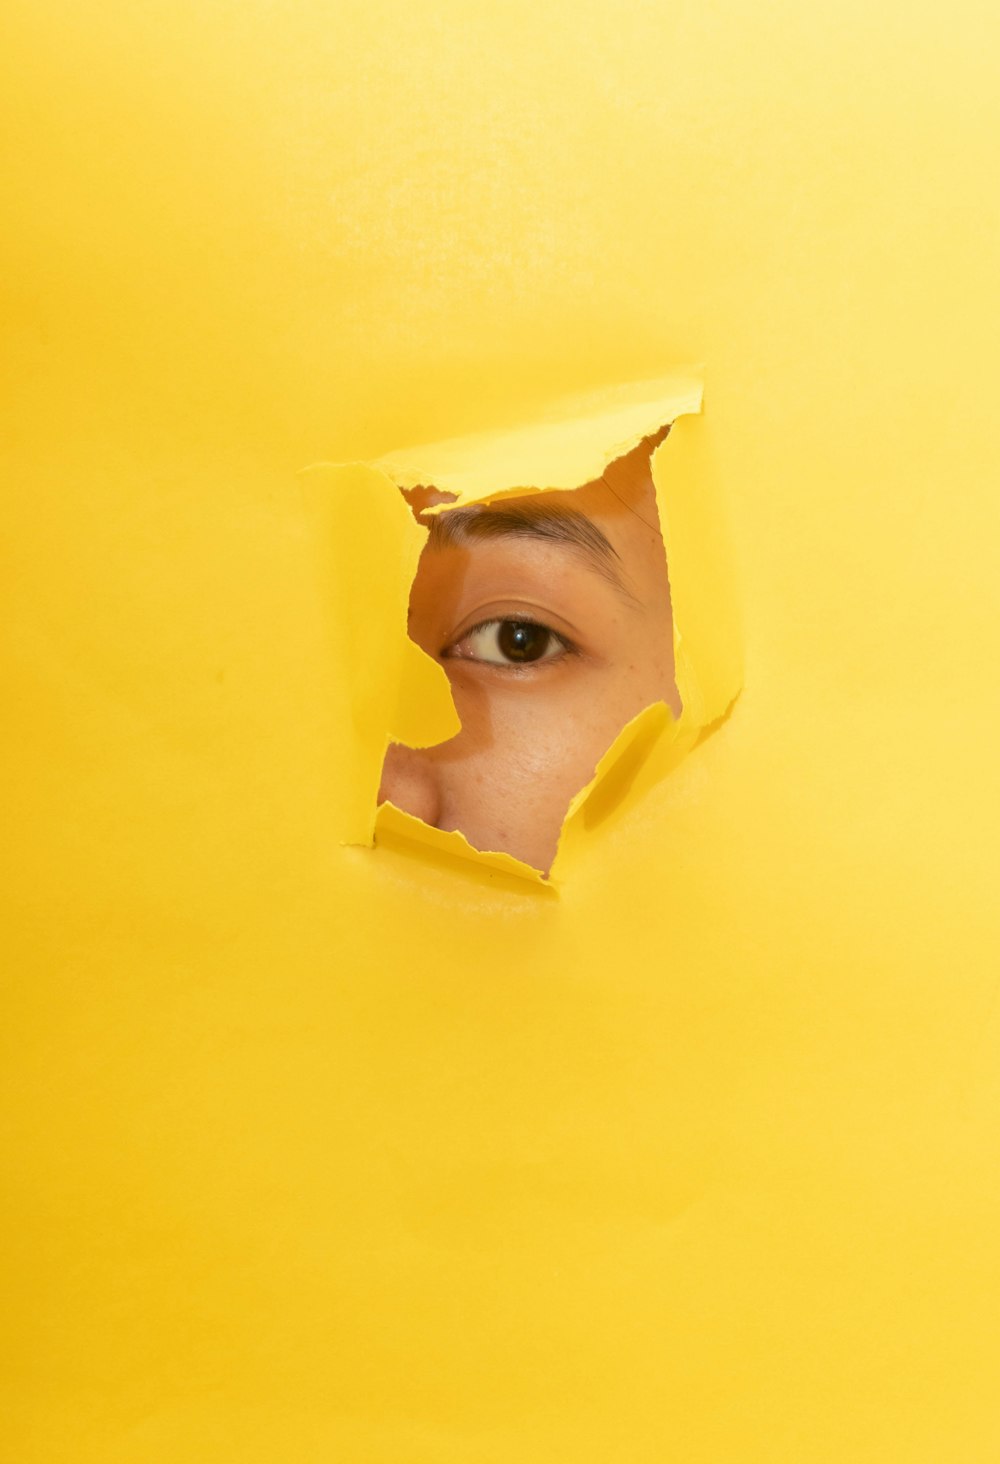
316, 1155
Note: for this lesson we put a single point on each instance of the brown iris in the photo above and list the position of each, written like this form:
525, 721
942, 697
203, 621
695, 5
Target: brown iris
522, 640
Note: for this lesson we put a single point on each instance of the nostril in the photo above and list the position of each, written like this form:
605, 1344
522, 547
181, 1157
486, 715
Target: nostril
409, 781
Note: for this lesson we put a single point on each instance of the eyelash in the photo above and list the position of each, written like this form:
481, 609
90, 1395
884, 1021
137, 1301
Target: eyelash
563, 646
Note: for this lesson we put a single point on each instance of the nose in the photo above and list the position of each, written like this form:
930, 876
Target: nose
409, 781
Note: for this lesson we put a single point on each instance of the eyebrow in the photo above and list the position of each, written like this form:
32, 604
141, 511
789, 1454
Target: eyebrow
553, 522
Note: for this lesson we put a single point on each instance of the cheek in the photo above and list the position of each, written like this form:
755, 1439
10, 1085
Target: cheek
507, 778
527, 747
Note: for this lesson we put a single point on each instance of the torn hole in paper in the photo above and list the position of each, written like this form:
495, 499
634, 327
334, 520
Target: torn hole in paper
537, 593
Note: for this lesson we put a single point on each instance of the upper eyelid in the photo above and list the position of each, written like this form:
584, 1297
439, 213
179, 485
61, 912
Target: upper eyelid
518, 620
533, 616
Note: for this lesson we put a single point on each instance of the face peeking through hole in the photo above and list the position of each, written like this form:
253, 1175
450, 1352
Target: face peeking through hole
551, 617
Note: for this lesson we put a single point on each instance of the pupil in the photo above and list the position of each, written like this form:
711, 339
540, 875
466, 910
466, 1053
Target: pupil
520, 640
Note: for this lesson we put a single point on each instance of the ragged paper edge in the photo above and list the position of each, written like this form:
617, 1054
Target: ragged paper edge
614, 778
707, 620
567, 453
570, 446
394, 692
394, 825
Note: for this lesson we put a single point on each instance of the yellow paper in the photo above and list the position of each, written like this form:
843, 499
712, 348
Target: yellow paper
315, 1151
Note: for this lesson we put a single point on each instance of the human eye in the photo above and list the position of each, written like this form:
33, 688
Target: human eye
509, 642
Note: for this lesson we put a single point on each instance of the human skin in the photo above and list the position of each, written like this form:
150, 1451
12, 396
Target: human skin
552, 643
